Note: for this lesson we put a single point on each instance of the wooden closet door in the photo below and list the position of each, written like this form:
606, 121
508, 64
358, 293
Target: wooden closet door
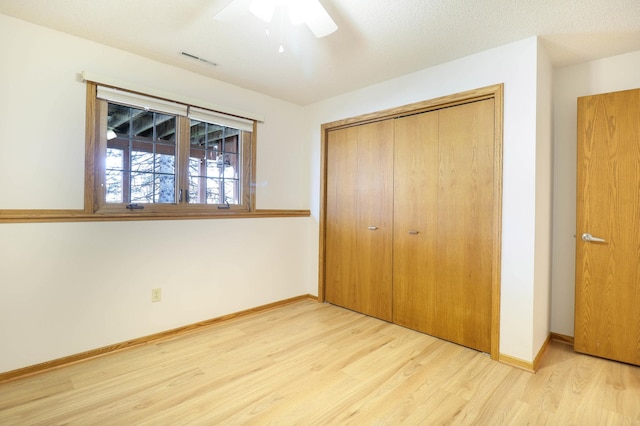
443, 221
359, 218
415, 220
465, 225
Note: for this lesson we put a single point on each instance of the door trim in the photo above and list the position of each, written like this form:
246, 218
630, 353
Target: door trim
495, 92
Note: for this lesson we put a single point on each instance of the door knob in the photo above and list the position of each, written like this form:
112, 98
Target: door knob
591, 239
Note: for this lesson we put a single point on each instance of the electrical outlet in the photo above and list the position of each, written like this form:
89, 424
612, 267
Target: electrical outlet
156, 294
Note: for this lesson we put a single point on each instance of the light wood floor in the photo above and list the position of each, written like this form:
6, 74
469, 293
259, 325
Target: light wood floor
308, 363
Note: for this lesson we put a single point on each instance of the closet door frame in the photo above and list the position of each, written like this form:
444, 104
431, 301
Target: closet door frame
490, 92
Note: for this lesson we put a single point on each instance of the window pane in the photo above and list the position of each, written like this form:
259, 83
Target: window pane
164, 190
114, 175
141, 156
231, 189
141, 161
214, 164
141, 187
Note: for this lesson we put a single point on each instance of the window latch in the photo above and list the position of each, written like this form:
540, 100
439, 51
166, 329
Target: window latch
226, 204
134, 207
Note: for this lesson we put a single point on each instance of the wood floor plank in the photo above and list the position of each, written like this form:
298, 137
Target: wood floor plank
316, 364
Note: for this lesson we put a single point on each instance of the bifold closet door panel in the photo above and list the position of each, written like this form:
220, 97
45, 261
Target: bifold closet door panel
359, 218
462, 303
415, 220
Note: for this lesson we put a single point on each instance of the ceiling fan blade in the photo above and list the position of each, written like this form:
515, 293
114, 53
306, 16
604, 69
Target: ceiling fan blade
319, 21
310, 12
263, 9
229, 10
219, 6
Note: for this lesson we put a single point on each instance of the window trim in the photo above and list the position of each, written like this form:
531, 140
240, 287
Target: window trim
172, 97
95, 203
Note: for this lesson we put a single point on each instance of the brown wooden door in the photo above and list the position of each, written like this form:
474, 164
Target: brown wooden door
443, 241
443, 222
607, 310
359, 218
465, 224
415, 220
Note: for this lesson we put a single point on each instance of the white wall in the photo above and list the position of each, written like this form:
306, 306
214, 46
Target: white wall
602, 76
544, 191
515, 65
71, 287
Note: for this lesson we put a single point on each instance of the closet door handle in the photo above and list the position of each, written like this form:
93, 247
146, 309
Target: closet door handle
372, 228
412, 232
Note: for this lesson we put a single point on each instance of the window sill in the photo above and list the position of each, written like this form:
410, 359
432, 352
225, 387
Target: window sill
26, 216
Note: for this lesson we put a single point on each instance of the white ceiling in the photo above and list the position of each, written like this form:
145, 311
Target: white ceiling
376, 40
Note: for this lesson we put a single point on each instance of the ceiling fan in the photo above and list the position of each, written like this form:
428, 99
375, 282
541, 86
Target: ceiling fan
309, 12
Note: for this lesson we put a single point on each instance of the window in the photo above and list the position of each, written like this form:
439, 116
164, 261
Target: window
160, 156
140, 156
